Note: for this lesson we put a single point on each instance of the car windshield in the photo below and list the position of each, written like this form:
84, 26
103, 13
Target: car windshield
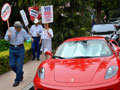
83, 49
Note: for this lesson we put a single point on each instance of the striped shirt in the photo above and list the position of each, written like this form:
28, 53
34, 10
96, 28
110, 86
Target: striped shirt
17, 38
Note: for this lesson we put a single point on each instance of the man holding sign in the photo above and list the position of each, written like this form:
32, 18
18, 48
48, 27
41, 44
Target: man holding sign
16, 36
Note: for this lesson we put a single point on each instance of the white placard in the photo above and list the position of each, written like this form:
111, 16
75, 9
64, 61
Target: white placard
24, 17
47, 14
34, 13
5, 12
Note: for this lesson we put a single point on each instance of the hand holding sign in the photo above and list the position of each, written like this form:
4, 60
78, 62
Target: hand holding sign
9, 33
5, 13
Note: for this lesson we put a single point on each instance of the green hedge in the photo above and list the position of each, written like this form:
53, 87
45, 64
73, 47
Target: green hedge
4, 45
4, 58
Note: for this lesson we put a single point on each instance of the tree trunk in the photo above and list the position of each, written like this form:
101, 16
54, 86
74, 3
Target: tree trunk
98, 12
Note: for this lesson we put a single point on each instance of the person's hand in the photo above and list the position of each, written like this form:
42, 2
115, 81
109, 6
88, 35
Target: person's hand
49, 33
9, 33
32, 40
38, 34
40, 42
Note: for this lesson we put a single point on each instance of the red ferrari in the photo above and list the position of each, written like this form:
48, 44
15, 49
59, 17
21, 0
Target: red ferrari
83, 63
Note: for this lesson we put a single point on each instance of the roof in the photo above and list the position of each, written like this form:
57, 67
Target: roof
85, 38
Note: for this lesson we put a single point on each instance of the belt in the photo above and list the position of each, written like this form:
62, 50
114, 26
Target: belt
36, 37
16, 45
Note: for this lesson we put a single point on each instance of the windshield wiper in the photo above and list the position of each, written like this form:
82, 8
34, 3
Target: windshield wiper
82, 57
58, 57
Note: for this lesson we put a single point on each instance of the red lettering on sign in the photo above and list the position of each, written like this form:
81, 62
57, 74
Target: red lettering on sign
6, 13
47, 13
48, 16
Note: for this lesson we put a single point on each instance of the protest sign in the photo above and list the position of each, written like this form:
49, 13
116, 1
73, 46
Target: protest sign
47, 14
24, 17
5, 12
34, 13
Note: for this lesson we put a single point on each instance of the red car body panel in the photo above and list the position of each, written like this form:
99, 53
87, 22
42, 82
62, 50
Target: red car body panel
79, 74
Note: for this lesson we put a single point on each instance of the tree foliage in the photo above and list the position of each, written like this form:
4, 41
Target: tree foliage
104, 5
69, 17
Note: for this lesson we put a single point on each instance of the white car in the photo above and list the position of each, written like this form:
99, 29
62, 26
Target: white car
105, 30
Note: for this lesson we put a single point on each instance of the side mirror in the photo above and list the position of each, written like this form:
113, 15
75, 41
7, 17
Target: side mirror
49, 53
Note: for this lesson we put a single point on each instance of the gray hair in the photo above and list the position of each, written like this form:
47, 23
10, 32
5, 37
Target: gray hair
18, 24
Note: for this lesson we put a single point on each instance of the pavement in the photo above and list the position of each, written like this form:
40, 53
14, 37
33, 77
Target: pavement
30, 68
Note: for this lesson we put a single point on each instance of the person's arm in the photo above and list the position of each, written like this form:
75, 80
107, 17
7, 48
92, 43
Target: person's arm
40, 41
41, 30
50, 33
27, 37
8, 35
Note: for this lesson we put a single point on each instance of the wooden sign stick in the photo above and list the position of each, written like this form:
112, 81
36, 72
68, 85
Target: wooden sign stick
8, 25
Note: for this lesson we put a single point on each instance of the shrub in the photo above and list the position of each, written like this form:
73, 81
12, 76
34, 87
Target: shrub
4, 45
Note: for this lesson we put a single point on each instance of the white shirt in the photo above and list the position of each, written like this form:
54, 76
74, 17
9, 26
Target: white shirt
45, 34
36, 29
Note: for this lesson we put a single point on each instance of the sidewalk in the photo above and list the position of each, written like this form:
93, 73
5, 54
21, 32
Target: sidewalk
7, 79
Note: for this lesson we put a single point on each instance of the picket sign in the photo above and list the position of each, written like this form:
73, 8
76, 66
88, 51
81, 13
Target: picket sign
24, 17
5, 13
47, 14
34, 13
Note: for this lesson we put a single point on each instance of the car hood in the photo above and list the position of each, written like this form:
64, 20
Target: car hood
76, 70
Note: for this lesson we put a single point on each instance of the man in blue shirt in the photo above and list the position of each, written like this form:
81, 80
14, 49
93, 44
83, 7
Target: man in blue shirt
16, 36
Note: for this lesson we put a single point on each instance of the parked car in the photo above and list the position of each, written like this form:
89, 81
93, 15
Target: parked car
83, 63
105, 30
116, 22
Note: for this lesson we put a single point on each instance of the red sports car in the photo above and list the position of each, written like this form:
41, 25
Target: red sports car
83, 63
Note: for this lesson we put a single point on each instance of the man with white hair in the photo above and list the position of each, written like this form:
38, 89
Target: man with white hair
16, 36
35, 32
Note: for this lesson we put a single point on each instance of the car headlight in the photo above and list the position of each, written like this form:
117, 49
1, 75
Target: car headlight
41, 73
112, 70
